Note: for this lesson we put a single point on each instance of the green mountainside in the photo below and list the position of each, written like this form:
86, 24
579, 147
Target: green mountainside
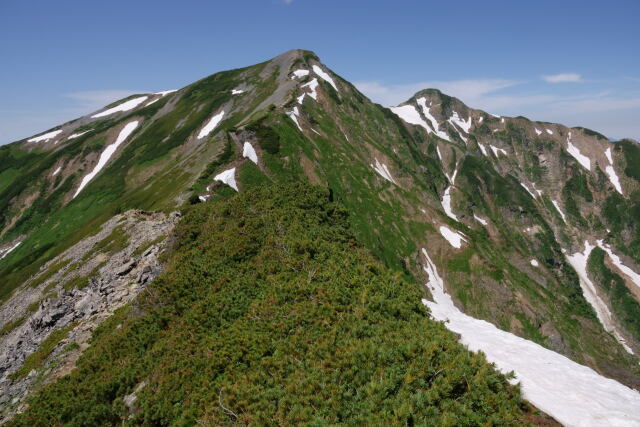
519, 216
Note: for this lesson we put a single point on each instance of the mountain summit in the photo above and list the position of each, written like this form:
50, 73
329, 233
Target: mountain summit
525, 233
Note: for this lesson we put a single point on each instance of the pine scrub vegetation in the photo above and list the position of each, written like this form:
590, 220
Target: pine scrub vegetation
270, 313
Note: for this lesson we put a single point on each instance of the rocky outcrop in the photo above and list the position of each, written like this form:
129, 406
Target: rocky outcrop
112, 280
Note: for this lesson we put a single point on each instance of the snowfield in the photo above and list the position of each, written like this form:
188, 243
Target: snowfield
209, 127
106, 154
573, 394
607, 153
46, 136
236, 91
249, 152
383, 171
613, 177
462, 124
538, 132
57, 171
165, 92
324, 76
497, 150
228, 177
454, 238
446, 204
483, 149
125, 106
294, 116
579, 263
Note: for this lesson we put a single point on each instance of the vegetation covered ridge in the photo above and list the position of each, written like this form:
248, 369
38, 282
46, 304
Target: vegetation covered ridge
270, 313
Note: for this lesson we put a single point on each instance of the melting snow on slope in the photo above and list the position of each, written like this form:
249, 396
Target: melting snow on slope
528, 191
607, 153
480, 220
573, 394
632, 275
464, 125
534, 263
301, 73
165, 92
125, 106
497, 150
422, 102
409, 114
446, 203
301, 98
77, 135
236, 91
538, 131
249, 152
57, 171
613, 177
549, 131
383, 171
7, 251
557, 206
313, 86
46, 136
153, 101
579, 263
483, 149
206, 130
228, 177
454, 238
575, 152
294, 116
324, 76
107, 153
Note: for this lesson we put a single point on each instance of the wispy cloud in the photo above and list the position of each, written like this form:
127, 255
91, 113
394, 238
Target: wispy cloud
563, 78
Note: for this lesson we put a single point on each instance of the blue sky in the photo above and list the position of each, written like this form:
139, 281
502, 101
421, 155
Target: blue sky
573, 62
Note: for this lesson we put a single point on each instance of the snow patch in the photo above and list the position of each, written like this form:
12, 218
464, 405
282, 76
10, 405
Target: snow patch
613, 177
211, 125
538, 131
573, 394
313, 86
446, 203
165, 92
125, 106
462, 124
534, 263
153, 101
324, 76
300, 73
46, 136
422, 102
483, 149
549, 131
575, 152
409, 114
557, 206
106, 154
383, 171
480, 220
301, 98
607, 153
7, 251
293, 114
77, 135
236, 91
249, 152
454, 238
497, 150
528, 191
228, 177
57, 171
632, 275
579, 263
203, 198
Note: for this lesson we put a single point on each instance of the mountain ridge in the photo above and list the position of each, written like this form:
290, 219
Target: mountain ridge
508, 208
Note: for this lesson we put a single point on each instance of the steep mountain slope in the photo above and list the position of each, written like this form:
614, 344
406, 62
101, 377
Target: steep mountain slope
532, 226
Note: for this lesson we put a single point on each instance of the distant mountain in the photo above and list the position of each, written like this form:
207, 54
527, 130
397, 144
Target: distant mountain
532, 227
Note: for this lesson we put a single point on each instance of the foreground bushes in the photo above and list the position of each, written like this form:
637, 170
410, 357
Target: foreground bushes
269, 313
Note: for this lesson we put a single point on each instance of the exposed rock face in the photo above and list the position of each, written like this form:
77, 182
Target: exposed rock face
118, 277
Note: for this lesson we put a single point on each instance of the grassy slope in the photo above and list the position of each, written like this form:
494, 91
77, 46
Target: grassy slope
269, 312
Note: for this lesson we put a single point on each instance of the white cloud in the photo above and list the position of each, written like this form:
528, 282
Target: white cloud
563, 78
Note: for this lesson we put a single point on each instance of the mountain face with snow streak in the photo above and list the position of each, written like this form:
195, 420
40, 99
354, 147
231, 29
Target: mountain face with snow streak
485, 195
